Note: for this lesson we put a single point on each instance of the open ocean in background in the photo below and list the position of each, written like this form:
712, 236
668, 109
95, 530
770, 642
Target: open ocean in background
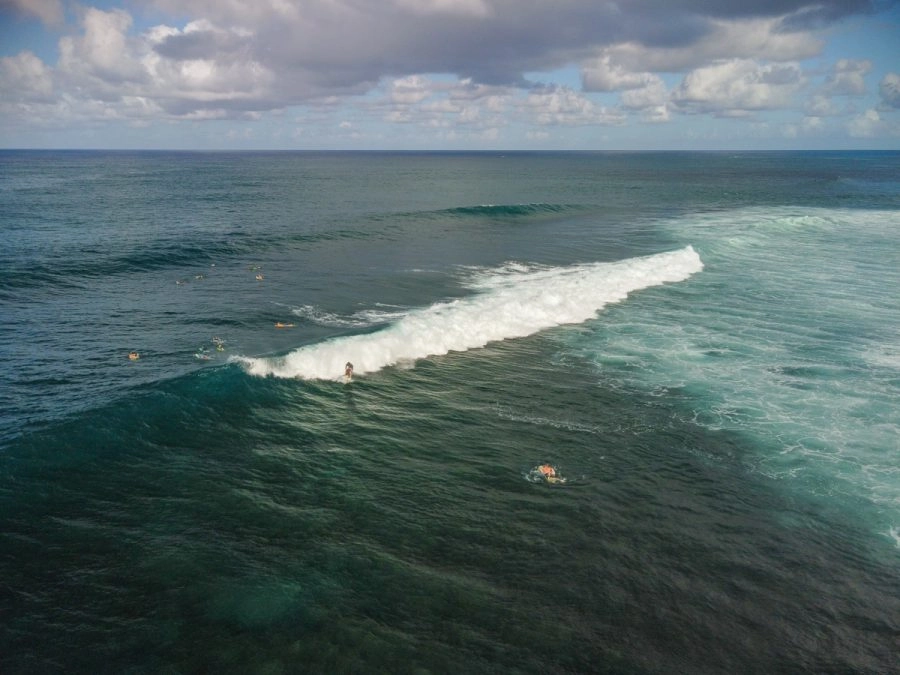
707, 345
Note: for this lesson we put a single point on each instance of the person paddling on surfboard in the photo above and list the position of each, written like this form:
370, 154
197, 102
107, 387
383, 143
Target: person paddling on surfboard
548, 473
348, 371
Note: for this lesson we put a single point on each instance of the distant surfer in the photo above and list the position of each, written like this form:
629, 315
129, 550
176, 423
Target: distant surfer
348, 371
279, 324
134, 356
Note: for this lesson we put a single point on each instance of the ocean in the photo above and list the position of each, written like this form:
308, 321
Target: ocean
704, 346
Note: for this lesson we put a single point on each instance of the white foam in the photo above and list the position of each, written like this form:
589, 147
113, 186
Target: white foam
894, 533
360, 319
514, 302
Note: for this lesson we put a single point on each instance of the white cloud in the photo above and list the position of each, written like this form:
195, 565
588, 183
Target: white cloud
104, 54
652, 94
567, 107
756, 39
865, 125
441, 64
738, 87
848, 77
25, 78
409, 90
602, 74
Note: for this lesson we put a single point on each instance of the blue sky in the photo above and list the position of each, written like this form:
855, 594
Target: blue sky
450, 74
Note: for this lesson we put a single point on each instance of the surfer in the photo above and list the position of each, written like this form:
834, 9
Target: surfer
348, 371
134, 356
279, 324
545, 473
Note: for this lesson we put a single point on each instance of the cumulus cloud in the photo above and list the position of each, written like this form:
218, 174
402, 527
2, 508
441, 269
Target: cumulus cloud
497, 41
848, 77
204, 67
650, 100
237, 58
738, 87
441, 104
602, 74
407, 90
24, 78
103, 56
566, 107
864, 125
739, 38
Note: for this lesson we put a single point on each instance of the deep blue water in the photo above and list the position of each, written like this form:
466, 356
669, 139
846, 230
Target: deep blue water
705, 345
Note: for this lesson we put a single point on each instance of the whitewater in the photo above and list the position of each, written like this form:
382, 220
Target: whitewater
513, 302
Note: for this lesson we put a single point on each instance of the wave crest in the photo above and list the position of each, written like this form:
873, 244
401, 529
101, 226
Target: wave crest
511, 304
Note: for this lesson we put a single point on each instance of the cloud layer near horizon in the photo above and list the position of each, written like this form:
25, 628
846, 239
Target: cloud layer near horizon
472, 61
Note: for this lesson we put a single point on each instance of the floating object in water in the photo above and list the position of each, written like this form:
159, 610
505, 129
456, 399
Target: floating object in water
545, 473
259, 277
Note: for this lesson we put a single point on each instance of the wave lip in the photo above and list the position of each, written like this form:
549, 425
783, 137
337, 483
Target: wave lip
510, 305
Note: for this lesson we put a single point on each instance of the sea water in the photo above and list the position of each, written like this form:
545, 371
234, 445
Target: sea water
706, 345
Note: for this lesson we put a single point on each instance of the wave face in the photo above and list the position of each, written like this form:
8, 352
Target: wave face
509, 210
512, 302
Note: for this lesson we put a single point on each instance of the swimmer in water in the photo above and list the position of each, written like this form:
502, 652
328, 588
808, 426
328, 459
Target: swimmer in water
134, 356
348, 371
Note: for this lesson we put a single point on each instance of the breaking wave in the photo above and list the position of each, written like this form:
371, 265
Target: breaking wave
512, 302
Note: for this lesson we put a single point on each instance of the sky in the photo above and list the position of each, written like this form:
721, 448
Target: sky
450, 74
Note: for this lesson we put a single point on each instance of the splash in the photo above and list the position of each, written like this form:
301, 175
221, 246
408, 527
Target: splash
510, 303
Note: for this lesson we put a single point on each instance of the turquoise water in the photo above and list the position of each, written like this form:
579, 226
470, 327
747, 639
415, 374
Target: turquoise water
705, 345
